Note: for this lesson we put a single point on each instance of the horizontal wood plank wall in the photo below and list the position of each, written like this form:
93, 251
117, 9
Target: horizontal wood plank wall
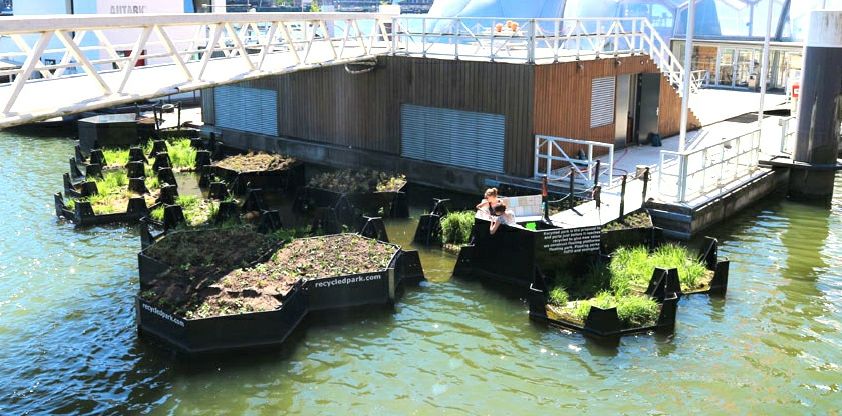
562, 105
329, 105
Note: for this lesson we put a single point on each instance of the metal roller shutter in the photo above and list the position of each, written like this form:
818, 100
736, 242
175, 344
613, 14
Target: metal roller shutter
248, 109
602, 101
453, 137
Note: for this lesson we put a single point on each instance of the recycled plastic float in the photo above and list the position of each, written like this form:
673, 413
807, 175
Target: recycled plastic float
255, 170
284, 302
346, 195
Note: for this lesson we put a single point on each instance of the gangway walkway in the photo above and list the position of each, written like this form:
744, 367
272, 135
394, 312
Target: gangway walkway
72, 64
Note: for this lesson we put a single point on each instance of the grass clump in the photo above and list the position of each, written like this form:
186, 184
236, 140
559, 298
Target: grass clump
182, 154
456, 227
116, 157
559, 296
157, 214
631, 268
197, 210
633, 311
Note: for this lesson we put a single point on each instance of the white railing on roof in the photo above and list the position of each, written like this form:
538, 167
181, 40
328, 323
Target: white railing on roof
534, 40
683, 176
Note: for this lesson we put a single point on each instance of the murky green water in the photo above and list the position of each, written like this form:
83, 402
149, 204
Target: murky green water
68, 340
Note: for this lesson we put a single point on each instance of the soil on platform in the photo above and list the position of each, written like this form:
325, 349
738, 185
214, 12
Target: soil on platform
256, 162
640, 219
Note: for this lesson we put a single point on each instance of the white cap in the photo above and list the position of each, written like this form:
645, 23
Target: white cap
825, 29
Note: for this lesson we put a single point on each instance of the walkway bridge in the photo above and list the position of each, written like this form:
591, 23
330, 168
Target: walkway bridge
64, 65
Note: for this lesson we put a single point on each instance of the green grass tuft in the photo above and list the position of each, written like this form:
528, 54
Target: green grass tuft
182, 154
116, 157
157, 214
456, 227
633, 311
196, 210
690, 271
558, 296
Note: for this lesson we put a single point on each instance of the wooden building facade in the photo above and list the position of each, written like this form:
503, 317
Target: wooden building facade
442, 111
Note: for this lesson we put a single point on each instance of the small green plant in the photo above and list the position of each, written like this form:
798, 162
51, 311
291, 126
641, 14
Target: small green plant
456, 227
116, 157
197, 210
182, 154
637, 311
157, 214
286, 235
558, 296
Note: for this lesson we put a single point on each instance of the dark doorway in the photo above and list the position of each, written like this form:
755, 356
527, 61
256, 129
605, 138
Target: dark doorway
648, 99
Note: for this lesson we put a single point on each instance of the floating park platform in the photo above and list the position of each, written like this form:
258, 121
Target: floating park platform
246, 289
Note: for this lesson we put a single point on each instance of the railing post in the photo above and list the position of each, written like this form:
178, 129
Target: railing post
456, 45
424, 37
596, 177
682, 177
556, 35
623, 198
645, 186
530, 57
597, 196
572, 187
394, 34
590, 160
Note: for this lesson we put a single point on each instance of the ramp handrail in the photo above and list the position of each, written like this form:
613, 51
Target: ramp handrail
685, 175
550, 149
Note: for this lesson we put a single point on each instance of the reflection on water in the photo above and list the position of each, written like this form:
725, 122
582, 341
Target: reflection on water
68, 341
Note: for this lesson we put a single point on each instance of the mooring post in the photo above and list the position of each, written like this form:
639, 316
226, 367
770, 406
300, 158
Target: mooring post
623, 198
645, 185
818, 119
572, 186
597, 196
545, 192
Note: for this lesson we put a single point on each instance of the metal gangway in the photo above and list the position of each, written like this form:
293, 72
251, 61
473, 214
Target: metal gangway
77, 63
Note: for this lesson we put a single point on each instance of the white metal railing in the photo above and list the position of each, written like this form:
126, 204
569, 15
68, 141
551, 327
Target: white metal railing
698, 78
193, 51
111, 50
683, 176
533, 40
552, 160
788, 130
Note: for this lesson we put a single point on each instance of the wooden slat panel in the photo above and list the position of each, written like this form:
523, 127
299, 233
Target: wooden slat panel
362, 111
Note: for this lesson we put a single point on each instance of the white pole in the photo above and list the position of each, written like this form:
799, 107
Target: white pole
219, 6
764, 68
685, 85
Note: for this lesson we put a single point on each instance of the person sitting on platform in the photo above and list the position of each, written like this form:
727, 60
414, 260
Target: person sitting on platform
490, 201
501, 217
